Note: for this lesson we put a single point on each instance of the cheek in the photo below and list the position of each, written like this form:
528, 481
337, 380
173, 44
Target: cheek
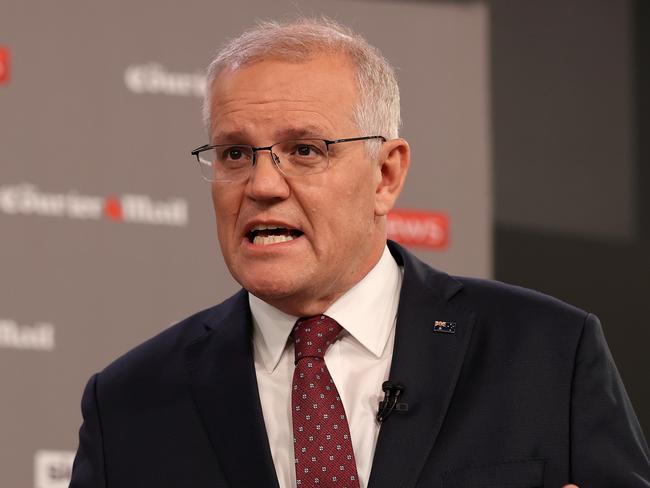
225, 210
351, 208
361, 196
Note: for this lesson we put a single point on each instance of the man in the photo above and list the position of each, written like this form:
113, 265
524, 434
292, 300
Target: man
280, 384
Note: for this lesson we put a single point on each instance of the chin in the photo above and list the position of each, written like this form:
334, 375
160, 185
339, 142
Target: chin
268, 288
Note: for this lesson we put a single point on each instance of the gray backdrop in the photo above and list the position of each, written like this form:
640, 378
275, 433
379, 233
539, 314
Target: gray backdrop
106, 227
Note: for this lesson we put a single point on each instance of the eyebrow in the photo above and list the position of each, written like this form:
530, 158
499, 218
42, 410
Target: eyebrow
243, 136
229, 137
308, 131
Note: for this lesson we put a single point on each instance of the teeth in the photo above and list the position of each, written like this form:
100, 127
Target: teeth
266, 240
266, 227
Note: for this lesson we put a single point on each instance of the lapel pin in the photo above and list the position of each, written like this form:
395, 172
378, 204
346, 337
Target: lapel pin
444, 327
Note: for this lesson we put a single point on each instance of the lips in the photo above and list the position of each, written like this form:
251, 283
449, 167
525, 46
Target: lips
266, 234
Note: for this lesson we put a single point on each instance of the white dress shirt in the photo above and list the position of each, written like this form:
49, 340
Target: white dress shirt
359, 362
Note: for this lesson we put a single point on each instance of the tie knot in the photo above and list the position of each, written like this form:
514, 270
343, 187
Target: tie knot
313, 335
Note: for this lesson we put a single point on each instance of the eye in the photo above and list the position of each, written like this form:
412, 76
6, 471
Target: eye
305, 150
232, 153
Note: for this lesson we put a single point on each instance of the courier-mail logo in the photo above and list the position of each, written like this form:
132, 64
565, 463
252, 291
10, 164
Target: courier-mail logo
34, 337
28, 199
154, 78
53, 469
4, 65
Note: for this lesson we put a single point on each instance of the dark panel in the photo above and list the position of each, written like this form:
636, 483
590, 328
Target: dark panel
608, 277
642, 36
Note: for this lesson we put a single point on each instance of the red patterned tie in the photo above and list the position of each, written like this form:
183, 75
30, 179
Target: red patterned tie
321, 435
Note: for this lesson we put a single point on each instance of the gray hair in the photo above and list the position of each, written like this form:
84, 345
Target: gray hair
378, 110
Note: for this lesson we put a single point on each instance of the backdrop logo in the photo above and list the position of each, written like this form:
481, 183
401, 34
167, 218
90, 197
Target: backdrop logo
4, 65
154, 78
52, 469
419, 228
27, 199
35, 337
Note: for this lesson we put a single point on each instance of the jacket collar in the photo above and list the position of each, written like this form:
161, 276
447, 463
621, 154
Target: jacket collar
427, 363
224, 388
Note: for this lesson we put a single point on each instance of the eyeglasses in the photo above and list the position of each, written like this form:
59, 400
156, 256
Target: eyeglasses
296, 157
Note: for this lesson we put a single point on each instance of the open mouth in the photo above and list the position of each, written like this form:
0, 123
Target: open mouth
263, 235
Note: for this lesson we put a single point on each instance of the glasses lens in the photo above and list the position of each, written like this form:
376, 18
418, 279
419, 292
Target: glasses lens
302, 156
226, 163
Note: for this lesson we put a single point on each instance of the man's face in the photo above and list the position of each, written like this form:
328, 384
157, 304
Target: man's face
332, 217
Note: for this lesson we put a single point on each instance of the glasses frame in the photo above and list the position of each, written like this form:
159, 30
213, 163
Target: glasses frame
276, 160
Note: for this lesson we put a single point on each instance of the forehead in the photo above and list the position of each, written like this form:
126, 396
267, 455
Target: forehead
274, 95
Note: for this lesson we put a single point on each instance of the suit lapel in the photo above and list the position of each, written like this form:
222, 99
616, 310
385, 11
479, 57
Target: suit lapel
224, 388
428, 363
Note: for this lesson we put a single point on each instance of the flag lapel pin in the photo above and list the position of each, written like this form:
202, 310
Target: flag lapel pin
444, 327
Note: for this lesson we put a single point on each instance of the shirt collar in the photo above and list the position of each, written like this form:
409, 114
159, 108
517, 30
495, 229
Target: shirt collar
366, 311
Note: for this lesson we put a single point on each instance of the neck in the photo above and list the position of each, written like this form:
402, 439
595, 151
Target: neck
308, 304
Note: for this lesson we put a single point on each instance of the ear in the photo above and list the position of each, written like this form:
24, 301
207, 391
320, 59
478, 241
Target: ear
393, 164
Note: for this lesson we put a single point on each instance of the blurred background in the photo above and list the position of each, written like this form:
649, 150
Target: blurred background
526, 119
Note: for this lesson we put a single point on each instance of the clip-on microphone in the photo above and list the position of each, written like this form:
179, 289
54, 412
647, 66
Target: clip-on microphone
392, 391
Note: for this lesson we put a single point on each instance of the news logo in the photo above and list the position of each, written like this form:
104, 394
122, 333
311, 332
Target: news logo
53, 469
419, 228
4, 65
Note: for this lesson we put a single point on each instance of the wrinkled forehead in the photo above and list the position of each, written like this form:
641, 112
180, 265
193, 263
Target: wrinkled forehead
291, 54
320, 91
317, 70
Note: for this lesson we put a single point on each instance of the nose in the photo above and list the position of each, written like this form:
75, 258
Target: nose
266, 182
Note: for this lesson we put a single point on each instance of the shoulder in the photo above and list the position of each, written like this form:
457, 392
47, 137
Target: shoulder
485, 297
503, 312
164, 353
520, 321
504, 299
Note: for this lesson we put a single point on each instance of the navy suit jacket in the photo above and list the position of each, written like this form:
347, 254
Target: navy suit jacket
523, 394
